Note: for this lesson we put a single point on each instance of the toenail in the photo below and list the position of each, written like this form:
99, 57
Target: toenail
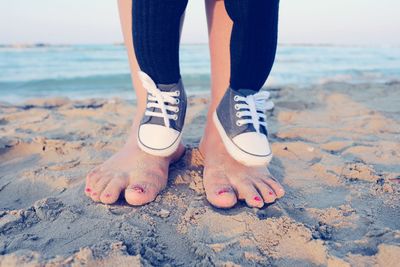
94, 193
222, 191
270, 193
257, 198
138, 189
108, 195
88, 190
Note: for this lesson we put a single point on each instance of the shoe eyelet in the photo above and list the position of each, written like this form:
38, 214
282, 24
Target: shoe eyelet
177, 93
238, 123
175, 117
238, 114
236, 106
177, 101
177, 110
236, 98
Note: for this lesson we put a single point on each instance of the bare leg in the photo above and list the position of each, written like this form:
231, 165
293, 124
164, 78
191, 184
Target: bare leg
138, 175
226, 180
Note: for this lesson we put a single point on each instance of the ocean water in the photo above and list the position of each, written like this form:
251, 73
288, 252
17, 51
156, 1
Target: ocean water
81, 71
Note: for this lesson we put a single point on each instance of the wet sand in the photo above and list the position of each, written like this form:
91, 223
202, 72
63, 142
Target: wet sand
337, 153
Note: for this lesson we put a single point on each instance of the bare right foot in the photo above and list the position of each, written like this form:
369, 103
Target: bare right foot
140, 176
226, 180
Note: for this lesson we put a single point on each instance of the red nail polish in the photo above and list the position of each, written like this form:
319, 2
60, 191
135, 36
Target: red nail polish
138, 189
108, 195
257, 198
270, 193
88, 190
225, 190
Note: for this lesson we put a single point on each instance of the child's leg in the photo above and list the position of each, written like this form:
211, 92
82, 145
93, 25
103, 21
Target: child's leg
224, 179
253, 41
139, 175
156, 34
240, 118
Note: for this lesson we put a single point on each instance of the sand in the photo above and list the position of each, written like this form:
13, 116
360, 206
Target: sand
337, 153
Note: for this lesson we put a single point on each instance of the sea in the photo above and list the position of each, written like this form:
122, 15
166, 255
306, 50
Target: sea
87, 71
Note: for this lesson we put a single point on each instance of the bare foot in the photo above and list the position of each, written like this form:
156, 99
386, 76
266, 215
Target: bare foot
139, 175
226, 180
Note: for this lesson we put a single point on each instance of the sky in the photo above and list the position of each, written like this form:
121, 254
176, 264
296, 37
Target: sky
344, 22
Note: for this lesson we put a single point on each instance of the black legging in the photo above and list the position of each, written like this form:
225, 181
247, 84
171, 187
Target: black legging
156, 34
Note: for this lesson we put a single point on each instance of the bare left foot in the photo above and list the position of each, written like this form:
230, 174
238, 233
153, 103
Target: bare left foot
226, 180
136, 174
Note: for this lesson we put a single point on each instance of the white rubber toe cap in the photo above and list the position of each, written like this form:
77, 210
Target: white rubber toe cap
250, 149
158, 140
253, 143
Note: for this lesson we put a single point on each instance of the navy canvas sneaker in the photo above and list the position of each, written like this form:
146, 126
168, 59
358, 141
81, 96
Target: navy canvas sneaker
241, 122
160, 129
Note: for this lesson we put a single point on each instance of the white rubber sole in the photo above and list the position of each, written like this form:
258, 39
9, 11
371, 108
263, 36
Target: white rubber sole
236, 153
161, 152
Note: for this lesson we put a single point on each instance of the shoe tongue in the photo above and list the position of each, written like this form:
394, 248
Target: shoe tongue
246, 92
167, 87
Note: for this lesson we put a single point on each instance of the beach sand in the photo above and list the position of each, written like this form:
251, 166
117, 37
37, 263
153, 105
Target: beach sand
337, 153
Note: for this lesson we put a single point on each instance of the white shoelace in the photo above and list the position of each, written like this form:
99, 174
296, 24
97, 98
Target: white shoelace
158, 99
253, 107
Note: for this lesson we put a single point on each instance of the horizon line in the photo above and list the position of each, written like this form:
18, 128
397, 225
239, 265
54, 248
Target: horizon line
50, 44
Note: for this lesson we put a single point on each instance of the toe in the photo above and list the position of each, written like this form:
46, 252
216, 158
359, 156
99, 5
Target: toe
88, 190
91, 180
218, 189
272, 183
266, 192
247, 191
99, 187
112, 191
221, 196
141, 193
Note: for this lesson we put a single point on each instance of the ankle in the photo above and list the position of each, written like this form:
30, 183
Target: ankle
210, 137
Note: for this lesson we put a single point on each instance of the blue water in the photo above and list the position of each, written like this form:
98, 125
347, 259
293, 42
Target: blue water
82, 71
